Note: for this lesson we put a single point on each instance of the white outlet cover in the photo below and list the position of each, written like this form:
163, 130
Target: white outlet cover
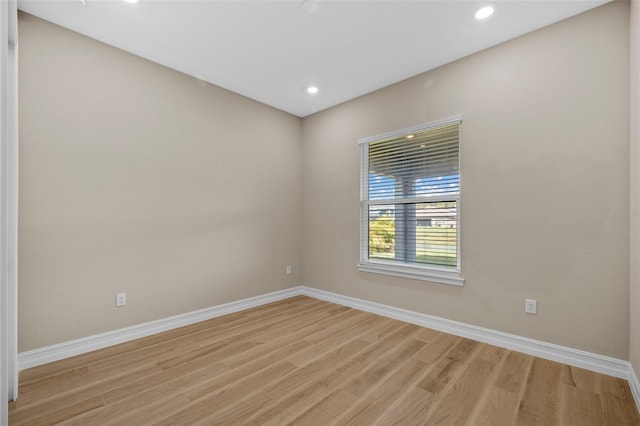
121, 299
530, 306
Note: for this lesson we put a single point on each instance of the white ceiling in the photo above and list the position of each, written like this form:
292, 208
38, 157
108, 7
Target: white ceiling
272, 50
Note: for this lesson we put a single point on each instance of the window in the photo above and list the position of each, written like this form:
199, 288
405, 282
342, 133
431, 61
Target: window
410, 202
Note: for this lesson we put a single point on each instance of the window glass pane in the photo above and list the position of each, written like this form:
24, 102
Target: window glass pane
421, 233
382, 232
426, 164
440, 185
381, 187
436, 233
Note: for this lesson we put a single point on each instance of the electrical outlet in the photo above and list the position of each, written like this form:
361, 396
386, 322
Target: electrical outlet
289, 271
121, 299
530, 306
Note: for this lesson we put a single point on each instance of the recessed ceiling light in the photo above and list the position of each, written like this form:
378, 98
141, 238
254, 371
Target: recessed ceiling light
312, 89
411, 136
131, 1
310, 6
484, 12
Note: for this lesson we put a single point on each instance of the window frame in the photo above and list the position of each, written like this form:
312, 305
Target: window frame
432, 273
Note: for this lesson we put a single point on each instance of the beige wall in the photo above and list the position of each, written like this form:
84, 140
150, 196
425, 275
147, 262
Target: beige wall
135, 178
544, 159
634, 50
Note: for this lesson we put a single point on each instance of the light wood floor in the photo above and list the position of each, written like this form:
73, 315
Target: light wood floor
304, 361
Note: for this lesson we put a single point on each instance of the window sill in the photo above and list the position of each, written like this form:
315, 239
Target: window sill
412, 272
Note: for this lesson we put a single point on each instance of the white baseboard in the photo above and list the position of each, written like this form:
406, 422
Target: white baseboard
87, 344
590, 361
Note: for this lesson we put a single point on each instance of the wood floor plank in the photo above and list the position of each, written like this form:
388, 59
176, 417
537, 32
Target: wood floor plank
427, 335
399, 342
41, 372
136, 387
228, 330
618, 404
240, 414
581, 378
53, 380
326, 410
303, 376
384, 366
360, 331
162, 350
492, 354
111, 412
456, 406
211, 342
500, 407
277, 323
618, 412
377, 334
151, 413
581, 407
339, 318
382, 397
214, 386
539, 405
237, 321
412, 409
343, 326
337, 361
447, 366
214, 353
224, 399
303, 361
514, 372
437, 347
32, 404
200, 385
55, 416
301, 322
248, 317
309, 334
500, 402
